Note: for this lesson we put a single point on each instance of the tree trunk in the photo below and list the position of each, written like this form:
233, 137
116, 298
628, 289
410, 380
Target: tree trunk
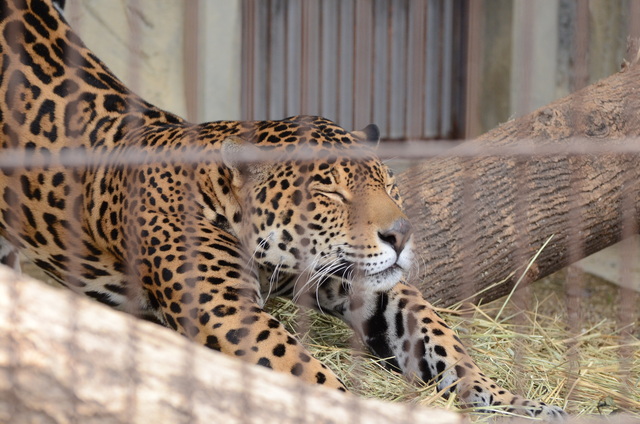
65, 359
481, 217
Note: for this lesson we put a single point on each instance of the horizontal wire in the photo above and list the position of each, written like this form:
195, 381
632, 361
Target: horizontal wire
408, 150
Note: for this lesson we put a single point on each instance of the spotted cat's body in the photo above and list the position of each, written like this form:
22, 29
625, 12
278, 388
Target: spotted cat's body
198, 245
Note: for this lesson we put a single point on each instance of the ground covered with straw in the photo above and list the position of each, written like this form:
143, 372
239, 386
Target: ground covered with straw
586, 364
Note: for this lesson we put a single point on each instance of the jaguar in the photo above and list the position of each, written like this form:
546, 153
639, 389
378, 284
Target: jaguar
195, 226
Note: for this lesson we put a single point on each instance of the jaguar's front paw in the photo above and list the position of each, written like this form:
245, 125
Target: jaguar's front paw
499, 400
537, 409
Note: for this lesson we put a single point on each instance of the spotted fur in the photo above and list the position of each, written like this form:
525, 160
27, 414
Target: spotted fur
199, 245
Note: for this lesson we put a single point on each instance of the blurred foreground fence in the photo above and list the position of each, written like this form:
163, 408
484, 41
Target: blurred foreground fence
565, 177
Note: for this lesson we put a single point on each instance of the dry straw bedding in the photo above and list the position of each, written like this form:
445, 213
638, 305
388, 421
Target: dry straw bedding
590, 368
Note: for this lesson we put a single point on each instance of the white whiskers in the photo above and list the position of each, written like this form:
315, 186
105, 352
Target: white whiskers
318, 270
273, 279
252, 261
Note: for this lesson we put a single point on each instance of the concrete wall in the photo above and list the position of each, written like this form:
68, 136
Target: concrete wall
220, 60
143, 43
535, 49
530, 53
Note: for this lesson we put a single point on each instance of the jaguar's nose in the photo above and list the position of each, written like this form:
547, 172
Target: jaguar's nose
397, 235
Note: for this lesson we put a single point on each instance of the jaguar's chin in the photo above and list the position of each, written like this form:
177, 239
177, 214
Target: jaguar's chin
383, 280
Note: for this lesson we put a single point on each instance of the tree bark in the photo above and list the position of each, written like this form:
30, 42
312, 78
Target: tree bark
480, 217
65, 358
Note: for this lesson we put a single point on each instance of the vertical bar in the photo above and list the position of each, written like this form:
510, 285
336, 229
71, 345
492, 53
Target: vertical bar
416, 61
192, 11
581, 46
474, 68
468, 219
522, 293
285, 58
388, 86
456, 118
442, 45
320, 57
362, 63
338, 67
262, 54
134, 43
372, 79
311, 56
294, 62
191, 49
634, 19
575, 275
248, 63
304, 57
269, 49
276, 78
329, 59
397, 92
448, 70
524, 66
628, 298
433, 70
406, 66
14, 347
423, 76
345, 70
379, 90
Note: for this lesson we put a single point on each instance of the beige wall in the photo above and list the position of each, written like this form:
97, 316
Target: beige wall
529, 53
220, 60
535, 34
142, 42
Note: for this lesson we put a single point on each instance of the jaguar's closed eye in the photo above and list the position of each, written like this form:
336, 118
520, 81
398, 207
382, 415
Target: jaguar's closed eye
337, 195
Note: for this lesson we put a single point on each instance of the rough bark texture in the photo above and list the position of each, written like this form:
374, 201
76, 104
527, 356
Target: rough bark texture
67, 359
480, 219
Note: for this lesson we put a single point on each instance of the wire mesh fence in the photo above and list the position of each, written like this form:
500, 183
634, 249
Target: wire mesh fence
154, 216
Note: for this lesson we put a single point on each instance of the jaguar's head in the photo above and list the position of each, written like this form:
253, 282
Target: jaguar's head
329, 207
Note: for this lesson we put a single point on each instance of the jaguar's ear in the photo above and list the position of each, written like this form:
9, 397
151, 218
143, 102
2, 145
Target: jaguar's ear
370, 134
59, 4
243, 159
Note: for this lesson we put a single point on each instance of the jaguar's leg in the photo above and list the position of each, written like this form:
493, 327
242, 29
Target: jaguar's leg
9, 255
401, 325
202, 290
